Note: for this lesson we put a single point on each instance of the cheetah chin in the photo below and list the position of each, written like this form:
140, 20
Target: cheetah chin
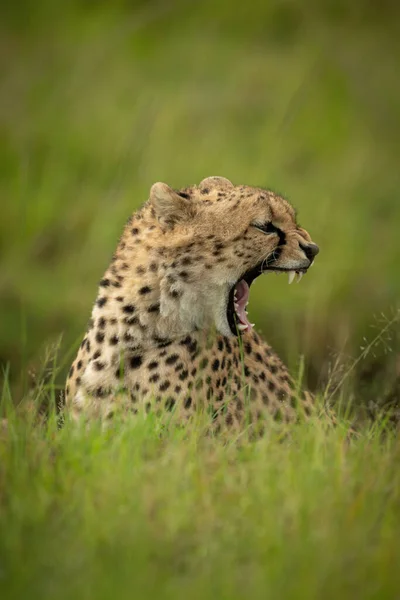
239, 294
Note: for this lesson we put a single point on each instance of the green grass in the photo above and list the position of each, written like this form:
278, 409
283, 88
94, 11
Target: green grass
141, 512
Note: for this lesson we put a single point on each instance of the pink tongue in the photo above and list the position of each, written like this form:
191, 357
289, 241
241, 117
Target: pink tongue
242, 296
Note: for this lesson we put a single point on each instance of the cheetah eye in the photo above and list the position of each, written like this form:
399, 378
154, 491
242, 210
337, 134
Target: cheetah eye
268, 228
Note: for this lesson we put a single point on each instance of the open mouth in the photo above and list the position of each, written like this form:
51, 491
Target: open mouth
240, 292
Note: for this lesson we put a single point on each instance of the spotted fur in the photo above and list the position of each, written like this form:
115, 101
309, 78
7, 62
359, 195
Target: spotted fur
160, 338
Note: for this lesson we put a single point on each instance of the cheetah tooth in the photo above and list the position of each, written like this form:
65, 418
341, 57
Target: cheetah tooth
299, 276
236, 305
242, 327
292, 275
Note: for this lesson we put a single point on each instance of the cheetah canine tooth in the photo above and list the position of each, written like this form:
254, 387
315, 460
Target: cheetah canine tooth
299, 276
292, 275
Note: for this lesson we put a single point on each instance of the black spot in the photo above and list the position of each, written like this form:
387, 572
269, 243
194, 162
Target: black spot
116, 284
271, 386
134, 231
205, 190
171, 360
99, 337
190, 343
209, 394
99, 366
229, 419
79, 365
152, 365
78, 381
183, 275
176, 293
188, 402
101, 301
144, 290
154, 307
220, 345
247, 348
140, 270
162, 342
178, 367
71, 371
154, 378
105, 282
193, 371
262, 376
282, 394
164, 386
186, 261
215, 365
170, 403
88, 345
153, 267
100, 392
247, 371
228, 346
177, 389
128, 309
147, 407
97, 354
135, 361
273, 369
183, 375
131, 320
102, 322
119, 298
113, 340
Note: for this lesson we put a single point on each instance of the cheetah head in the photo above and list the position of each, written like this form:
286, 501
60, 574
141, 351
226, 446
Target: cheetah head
219, 238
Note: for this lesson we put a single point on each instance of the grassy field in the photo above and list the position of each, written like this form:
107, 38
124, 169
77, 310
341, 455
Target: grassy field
99, 100
140, 513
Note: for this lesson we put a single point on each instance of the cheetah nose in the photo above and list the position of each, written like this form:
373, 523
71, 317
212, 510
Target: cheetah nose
310, 250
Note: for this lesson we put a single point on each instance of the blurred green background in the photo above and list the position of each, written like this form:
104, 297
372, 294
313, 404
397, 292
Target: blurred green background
101, 99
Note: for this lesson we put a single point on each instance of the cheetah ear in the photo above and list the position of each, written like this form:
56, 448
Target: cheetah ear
169, 205
215, 180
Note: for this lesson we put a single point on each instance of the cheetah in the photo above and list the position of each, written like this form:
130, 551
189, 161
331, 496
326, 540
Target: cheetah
169, 331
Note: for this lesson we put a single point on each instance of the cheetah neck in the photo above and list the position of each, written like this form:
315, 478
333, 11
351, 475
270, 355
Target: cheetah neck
148, 297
